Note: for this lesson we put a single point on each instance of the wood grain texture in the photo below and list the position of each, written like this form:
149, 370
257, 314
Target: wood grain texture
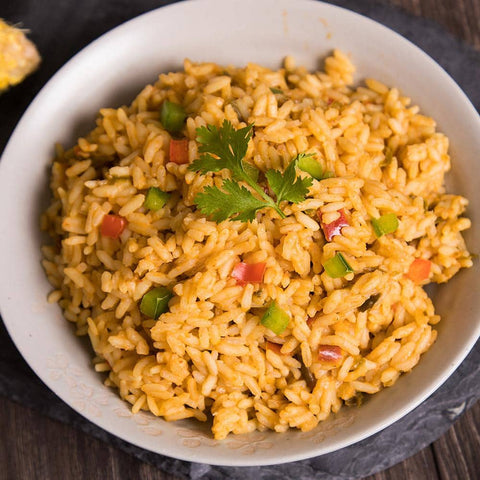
457, 453
421, 466
459, 17
54, 451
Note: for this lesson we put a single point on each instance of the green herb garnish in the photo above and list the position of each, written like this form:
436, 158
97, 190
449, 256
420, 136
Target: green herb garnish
225, 148
276, 90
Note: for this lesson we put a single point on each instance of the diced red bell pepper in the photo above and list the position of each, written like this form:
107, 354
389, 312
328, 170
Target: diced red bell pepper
329, 353
179, 150
334, 228
248, 272
112, 226
274, 347
419, 270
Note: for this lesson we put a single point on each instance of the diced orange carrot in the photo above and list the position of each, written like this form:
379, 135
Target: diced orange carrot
419, 270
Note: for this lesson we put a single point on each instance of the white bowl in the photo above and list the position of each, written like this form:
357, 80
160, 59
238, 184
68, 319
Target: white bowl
109, 72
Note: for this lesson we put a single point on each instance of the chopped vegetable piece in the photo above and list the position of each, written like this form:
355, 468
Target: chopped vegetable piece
155, 302
112, 226
337, 266
385, 224
172, 116
307, 163
276, 90
307, 375
419, 270
249, 272
274, 347
329, 353
178, 151
275, 318
369, 302
155, 199
334, 228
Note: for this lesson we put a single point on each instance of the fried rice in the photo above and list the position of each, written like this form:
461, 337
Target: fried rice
209, 356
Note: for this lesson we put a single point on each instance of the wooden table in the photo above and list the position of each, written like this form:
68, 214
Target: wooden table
36, 447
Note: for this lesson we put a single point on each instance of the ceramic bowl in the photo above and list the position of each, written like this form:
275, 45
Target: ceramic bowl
109, 72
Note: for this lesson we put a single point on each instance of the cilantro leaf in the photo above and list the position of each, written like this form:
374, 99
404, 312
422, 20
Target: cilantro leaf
251, 170
286, 186
231, 201
227, 144
205, 164
226, 148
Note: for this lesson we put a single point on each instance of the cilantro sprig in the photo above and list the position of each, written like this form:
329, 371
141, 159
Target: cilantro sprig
225, 148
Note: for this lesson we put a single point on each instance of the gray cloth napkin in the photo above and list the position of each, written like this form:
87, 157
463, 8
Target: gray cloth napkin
47, 20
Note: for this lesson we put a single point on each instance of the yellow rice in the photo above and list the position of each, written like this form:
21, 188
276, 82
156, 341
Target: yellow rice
207, 355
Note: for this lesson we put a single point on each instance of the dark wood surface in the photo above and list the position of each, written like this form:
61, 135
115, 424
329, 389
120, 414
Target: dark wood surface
36, 447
